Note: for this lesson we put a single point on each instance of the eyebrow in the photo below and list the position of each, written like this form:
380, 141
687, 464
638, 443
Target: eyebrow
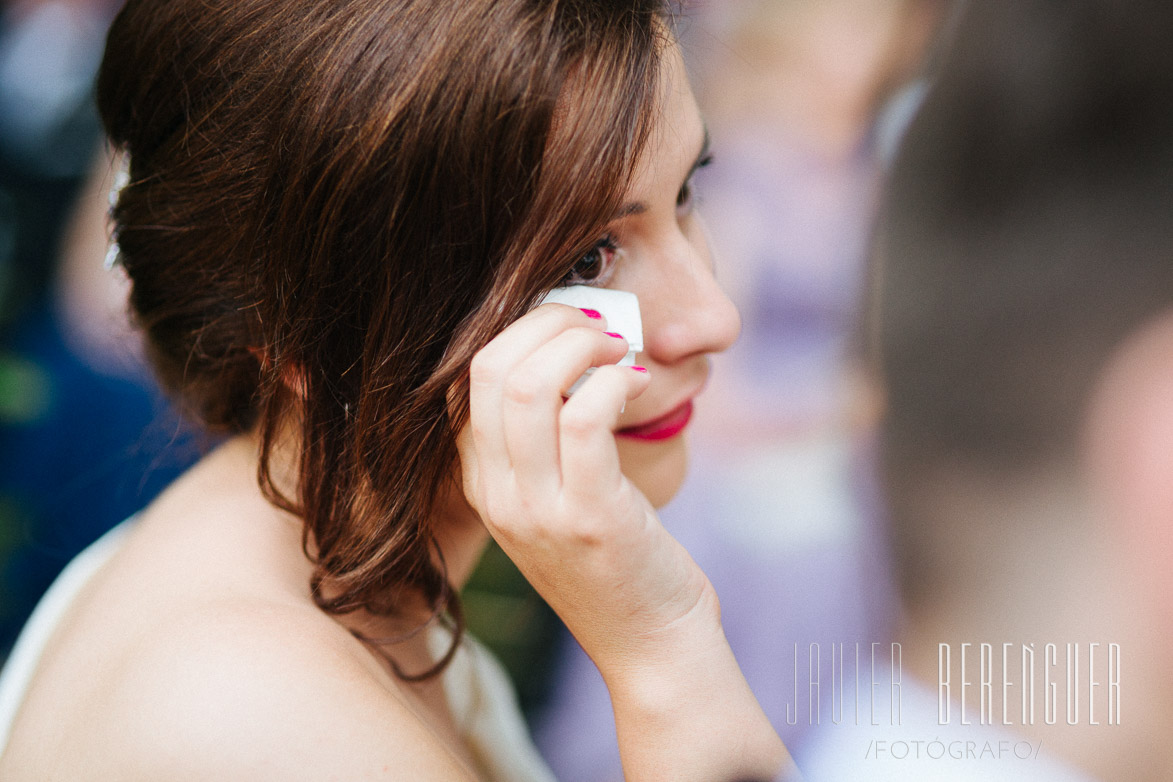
639, 207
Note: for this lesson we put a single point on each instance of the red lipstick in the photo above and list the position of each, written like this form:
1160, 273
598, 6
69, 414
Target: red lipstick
666, 426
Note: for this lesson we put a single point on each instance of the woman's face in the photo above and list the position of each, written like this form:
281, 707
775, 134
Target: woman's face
657, 249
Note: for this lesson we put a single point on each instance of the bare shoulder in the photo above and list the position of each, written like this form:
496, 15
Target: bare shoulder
196, 653
254, 692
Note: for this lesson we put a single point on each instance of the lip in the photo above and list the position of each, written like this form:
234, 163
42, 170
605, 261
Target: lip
664, 427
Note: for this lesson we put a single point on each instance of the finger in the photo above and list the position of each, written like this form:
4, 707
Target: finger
532, 400
468, 465
492, 364
535, 328
587, 426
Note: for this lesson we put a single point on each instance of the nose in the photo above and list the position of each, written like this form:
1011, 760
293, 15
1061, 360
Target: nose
689, 314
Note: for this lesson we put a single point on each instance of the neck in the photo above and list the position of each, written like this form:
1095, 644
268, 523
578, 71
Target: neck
460, 537
1055, 577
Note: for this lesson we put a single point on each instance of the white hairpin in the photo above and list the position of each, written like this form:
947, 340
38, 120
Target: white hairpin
121, 180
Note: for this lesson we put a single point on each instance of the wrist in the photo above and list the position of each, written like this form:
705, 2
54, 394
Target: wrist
691, 711
651, 653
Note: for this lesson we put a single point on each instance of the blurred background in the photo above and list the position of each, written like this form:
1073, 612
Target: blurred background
804, 100
85, 438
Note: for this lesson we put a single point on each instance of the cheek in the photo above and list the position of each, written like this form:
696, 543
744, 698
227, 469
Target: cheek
652, 259
656, 469
697, 232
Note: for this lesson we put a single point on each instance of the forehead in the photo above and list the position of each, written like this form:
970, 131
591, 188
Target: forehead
677, 128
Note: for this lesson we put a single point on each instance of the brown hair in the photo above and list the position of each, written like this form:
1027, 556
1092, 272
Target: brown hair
360, 194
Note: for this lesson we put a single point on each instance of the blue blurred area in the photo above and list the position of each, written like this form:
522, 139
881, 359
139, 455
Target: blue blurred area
82, 445
92, 450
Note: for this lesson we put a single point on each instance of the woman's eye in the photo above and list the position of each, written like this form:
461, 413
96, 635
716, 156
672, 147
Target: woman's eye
595, 265
685, 197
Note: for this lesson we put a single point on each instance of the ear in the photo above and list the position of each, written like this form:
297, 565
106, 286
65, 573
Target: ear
293, 379
1129, 450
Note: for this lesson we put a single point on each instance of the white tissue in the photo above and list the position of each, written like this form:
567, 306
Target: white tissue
620, 308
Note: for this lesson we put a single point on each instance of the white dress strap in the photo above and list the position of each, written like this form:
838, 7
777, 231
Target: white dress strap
34, 637
484, 707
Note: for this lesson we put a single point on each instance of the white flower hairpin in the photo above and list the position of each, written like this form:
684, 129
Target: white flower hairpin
121, 180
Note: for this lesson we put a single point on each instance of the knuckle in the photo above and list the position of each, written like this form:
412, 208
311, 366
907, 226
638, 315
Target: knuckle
612, 374
469, 476
479, 434
571, 318
497, 511
585, 529
483, 370
601, 342
565, 313
607, 350
581, 342
529, 511
523, 387
578, 424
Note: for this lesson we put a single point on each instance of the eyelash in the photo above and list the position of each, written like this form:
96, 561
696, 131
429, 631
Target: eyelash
686, 198
600, 259
595, 265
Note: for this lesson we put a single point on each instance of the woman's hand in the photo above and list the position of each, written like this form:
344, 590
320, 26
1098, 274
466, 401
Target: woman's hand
543, 473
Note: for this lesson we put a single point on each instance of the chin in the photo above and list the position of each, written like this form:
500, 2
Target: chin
656, 468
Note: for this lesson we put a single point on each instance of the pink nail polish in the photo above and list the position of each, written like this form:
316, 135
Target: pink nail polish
613, 334
640, 369
592, 314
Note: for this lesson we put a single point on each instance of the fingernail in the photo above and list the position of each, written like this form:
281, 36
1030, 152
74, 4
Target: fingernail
613, 334
592, 314
640, 369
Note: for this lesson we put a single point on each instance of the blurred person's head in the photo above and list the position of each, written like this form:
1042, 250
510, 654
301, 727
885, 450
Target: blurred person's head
1023, 325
